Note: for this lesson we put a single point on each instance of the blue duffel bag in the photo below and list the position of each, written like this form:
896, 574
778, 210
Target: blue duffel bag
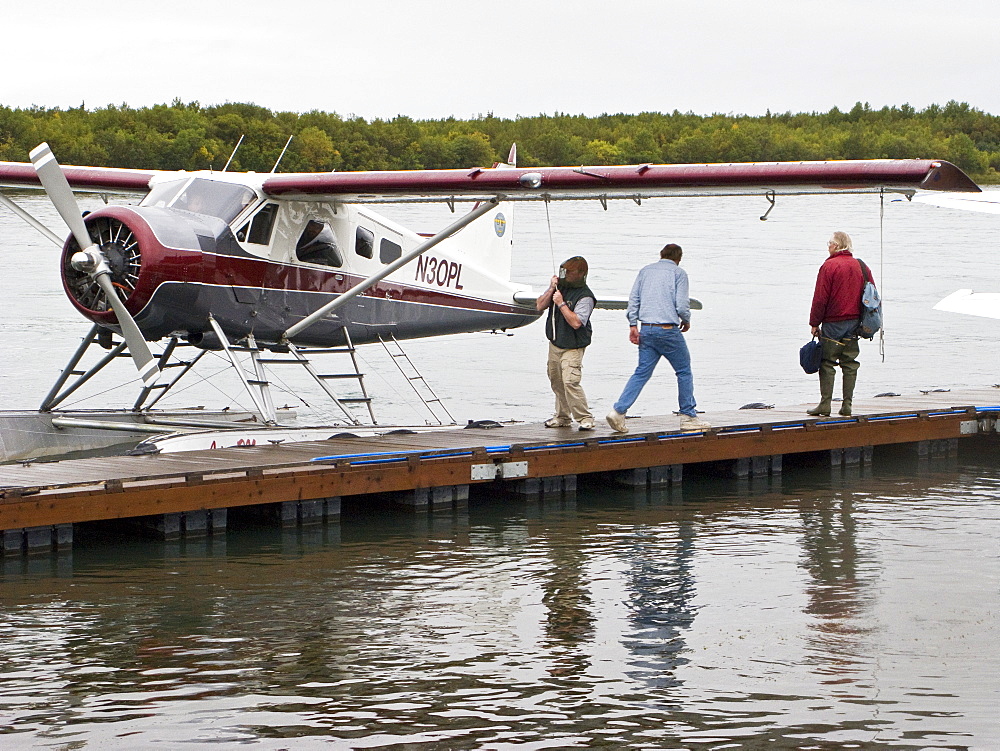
811, 355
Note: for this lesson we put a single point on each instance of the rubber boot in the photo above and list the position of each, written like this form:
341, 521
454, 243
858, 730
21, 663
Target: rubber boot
849, 380
826, 376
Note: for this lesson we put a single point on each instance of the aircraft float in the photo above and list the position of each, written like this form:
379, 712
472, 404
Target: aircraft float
296, 264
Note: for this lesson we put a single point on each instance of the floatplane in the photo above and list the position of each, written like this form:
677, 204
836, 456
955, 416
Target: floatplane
285, 267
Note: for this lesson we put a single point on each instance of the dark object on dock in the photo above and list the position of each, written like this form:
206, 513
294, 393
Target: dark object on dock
401, 431
486, 424
811, 356
757, 405
886, 393
341, 435
143, 450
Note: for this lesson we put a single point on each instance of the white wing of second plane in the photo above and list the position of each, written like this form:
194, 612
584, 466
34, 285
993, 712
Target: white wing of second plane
967, 302
988, 201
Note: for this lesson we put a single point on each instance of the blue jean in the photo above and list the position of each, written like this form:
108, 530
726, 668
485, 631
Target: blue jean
655, 343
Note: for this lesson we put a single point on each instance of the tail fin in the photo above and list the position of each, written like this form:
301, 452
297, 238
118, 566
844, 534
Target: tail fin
488, 241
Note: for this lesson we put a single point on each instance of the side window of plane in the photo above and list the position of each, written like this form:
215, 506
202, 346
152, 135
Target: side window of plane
318, 244
258, 229
364, 243
388, 251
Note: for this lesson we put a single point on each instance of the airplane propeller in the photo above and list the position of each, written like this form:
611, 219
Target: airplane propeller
90, 259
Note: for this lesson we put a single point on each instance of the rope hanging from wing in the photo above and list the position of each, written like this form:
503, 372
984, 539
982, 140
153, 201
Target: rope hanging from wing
881, 266
552, 247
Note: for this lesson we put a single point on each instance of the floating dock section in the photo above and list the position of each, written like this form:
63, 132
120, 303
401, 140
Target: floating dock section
197, 493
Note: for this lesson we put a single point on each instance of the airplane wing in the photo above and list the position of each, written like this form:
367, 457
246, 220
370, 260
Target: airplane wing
967, 302
988, 201
82, 179
634, 181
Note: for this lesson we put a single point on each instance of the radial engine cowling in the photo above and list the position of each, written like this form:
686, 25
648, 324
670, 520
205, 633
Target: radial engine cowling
121, 245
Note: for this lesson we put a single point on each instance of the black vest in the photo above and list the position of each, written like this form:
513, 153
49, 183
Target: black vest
561, 333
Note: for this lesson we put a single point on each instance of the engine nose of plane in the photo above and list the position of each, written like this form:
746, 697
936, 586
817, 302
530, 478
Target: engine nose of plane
126, 243
121, 248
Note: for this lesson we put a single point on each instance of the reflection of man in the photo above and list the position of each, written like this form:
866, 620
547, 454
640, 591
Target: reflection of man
570, 303
659, 312
318, 244
836, 307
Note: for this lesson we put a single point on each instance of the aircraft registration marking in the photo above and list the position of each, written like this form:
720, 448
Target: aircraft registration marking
439, 271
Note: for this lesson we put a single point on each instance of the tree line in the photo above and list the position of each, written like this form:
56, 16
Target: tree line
191, 136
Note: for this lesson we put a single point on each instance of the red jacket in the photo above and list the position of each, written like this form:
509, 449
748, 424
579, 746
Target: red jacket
838, 290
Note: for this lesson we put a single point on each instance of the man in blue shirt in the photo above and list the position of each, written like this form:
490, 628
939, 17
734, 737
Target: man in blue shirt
659, 313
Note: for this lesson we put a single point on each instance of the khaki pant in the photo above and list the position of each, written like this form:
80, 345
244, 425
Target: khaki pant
565, 370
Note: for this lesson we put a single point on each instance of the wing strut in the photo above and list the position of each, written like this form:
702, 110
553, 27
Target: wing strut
52, 236
357, 289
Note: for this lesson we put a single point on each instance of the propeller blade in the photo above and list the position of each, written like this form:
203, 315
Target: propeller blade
145, 363
57, 187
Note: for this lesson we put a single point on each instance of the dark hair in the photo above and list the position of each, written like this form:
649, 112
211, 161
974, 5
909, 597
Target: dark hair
577, 264
672, 252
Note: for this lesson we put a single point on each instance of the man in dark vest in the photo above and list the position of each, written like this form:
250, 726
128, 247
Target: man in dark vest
570, 303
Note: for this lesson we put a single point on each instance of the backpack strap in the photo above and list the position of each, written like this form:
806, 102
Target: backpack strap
866, 274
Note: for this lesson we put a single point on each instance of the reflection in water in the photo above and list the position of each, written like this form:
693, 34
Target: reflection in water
661, 588
824, 617
569, 621
837, 593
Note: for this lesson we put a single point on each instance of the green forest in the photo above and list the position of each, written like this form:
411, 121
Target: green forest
192, 136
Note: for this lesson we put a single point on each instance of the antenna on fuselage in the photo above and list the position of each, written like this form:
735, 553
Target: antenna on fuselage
282, 153
233, 154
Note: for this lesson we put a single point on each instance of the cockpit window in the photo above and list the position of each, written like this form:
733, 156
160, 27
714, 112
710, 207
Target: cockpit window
222, 200
318, 244
162, 195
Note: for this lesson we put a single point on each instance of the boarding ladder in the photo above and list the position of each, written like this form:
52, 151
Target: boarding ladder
258, 386
417, 382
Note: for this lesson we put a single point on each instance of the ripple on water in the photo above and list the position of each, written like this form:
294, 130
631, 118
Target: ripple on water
793, 614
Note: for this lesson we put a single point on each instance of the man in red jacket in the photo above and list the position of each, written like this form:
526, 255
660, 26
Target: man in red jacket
836, 308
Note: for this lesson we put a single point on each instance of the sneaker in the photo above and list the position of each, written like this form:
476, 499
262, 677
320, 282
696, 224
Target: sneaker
617, 422
587, 423
691, 424
557, 422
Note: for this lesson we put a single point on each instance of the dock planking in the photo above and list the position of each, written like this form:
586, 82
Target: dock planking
82, 490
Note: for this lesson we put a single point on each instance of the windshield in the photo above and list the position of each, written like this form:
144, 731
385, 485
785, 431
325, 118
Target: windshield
223, 200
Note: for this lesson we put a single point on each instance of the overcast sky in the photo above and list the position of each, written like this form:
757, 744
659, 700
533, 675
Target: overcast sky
434, 59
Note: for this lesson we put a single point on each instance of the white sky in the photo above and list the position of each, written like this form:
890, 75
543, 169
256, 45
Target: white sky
432, 59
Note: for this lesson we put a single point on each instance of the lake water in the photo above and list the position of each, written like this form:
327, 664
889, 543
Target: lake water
815, 610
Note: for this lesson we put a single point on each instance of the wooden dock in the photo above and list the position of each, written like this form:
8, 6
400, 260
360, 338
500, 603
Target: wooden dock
189, 494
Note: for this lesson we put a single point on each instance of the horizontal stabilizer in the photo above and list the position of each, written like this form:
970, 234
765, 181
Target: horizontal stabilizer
607, 302
967, 302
